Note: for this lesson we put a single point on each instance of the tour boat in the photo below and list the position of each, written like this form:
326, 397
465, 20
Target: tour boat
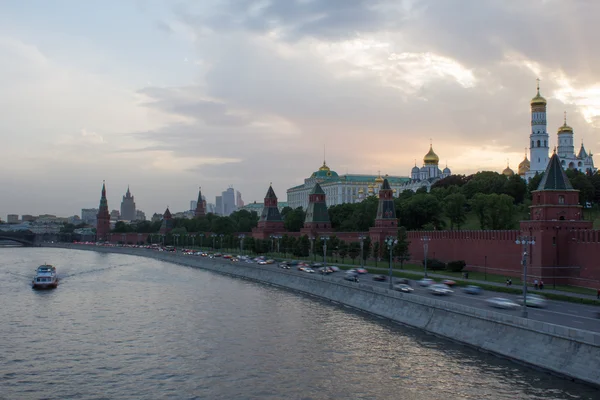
45, 277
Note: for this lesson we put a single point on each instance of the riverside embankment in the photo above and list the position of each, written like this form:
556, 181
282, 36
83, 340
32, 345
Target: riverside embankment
569, 352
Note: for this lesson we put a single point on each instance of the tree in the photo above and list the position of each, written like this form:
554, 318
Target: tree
486, 182
401, 248
583, 183
294, 219
533, 183
455, 209
479, 207
452, 180
494, 211
516, 187
343, 250
354, 250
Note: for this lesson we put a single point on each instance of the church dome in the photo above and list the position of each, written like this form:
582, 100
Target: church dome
379, 180
538, 100
447, 171
524, 166
431, 158
508, 172
325, 172
361, 191
415, 170
565, 129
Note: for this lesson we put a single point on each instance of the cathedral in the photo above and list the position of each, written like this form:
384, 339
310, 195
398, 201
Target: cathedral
539, 147
428, 174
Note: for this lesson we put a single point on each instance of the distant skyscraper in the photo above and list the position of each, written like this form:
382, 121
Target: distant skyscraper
193, 205
219, 205
238, 200
12, 218
140, 215
103, 217
228, 197
88, 215
128, 207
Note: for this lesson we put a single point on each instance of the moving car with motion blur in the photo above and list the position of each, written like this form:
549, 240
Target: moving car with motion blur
440, 289
472, 289
380, 278
501, 302
403, 287
534, 300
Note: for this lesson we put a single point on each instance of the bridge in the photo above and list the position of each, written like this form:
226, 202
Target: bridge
26, 238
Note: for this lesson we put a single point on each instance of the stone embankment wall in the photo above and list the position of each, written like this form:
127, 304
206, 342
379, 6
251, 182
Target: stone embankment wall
569, 352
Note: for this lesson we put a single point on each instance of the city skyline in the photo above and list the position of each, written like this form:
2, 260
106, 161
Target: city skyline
171, 97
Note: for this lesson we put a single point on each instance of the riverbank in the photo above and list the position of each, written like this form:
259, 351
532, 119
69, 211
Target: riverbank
568, 352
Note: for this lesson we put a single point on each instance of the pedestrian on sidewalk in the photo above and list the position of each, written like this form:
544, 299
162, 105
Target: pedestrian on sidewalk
507, 284
541, 284
535, 284
510, 282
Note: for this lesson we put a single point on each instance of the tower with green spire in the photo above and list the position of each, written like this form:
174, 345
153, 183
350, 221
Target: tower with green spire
270, 221
200, 209
555, 213
386, 223
317, 217
103, 217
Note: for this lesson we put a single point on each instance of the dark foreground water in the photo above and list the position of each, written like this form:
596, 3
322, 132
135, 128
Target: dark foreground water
124, 327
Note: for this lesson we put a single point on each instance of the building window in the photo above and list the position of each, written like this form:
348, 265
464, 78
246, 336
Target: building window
561, 199
539, 143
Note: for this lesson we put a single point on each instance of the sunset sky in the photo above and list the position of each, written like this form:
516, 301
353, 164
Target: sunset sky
167, 95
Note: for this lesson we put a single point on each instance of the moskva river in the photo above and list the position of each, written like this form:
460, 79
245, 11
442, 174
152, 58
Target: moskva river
124, 327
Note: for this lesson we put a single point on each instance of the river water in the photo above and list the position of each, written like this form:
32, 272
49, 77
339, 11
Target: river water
125, 327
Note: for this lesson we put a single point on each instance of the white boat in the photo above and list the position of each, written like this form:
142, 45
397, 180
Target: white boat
45, 277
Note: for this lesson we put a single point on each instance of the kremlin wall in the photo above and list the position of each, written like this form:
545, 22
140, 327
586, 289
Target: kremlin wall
565, 251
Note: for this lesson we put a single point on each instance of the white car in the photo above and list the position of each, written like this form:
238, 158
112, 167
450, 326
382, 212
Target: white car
403, 287
440, 289
534, 300
426, 282
501, 302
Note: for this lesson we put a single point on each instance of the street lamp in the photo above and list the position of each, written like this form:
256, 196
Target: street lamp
242, 236
425, 240
324, 239
176, 236
362, 239
312, 247
214, 235
525, 240
221, 245
193, 240
201, 237
391, 242
278, 237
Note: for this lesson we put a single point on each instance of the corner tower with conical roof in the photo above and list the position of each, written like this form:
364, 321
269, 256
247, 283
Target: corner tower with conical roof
386, 223
103, 217
317, 219
200, 209
555, 213
538, 149
167, 222
270, 221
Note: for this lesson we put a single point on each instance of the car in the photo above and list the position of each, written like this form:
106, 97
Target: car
284, 266
351, 276
403, 287
309, 270
333, 268
472, 289
440, 289
361, 270
404, 281
325, 270
380, 278
534, 300
426, 282
501, 302
449, 282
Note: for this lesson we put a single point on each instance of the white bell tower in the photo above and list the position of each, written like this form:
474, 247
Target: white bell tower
538, 139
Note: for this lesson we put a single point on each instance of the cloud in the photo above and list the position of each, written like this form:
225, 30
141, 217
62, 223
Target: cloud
163, 27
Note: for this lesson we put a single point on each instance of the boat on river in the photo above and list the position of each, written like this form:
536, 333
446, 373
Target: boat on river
45, 277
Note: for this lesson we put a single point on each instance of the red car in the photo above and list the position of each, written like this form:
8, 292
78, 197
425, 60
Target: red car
449, 282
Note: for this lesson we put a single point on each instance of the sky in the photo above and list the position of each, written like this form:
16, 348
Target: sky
170, 95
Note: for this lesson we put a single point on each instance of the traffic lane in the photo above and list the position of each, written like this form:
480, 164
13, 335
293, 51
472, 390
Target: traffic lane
556, 313
559, 313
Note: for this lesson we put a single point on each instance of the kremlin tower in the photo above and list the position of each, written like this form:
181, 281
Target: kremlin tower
103, 217
200, 208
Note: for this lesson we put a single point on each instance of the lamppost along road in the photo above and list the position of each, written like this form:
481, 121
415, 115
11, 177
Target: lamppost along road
425, 240
525, 241
391, 241
324, 239
362, 239
242, 236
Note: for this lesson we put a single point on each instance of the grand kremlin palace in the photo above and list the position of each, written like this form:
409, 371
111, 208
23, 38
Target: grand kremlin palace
352, 188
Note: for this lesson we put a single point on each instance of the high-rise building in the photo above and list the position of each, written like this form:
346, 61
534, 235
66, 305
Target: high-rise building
193, 205
228, 197
88, 216
103, 217
219, 205
128, 207
115, 215
239, 203
12, 218
140, 215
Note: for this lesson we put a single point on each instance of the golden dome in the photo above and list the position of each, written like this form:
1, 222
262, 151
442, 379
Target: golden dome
431, 158
538, 100
361, 191
379, 179
324, 167
370, 189
508, 172
393, 190
565, 128
524, 166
